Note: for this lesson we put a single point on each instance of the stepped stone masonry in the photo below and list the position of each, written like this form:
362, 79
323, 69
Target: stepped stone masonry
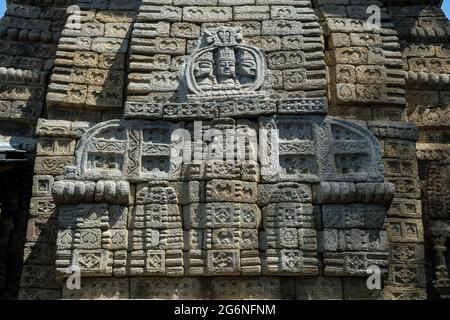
221, 149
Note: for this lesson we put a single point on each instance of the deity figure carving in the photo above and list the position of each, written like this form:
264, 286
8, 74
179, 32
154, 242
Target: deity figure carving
226, 68
223, 65
204, 71
247, 68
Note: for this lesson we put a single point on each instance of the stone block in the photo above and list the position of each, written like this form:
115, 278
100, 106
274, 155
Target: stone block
231, 191
42, 185
221, 215
281, 28
43, 207
289, 262
223, 262
356, 289
160, 13
171, 46
42, 277
151, 29
353, 216
407, 275
55, 147
252, 288
267, 43
99, 289
320, 288
404, 293
353, 240
283, 192
353, 263
52, 165
167, 288
251, 13
207, 14
185, 30
288, 215
39, 294
405, 230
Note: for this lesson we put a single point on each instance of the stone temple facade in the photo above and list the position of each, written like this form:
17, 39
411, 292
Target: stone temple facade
235, 149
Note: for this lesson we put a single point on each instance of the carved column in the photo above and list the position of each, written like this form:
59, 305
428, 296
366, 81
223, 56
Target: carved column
440, 248
30, 31
424, 32
368, 83
84, 50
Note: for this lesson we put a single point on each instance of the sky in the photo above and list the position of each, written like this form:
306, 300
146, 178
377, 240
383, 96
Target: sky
445, 7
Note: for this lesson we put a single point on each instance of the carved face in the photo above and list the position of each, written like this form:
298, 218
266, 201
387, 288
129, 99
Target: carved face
226, 68
248, 68
203, 68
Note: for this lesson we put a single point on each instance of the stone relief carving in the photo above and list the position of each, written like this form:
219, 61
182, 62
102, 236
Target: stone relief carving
223, 196
316, 149
216, 227
132, 150
223, 65
291, 148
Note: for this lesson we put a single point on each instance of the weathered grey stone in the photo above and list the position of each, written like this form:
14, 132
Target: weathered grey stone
42, 185
344, 192
221, 215
293, 215
99, 289
231, 191
321, 288
261, 288
207, 14
353, 216
71, 192
283, 192
353, 240
167, 288
356, 289
145, 194
159, 13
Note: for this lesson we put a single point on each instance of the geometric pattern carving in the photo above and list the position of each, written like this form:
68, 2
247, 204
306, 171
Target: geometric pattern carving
217, 197
222, 232
313, 149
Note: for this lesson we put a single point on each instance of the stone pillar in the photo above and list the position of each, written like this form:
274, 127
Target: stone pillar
424, 32
87, 43
368, 83
29, 35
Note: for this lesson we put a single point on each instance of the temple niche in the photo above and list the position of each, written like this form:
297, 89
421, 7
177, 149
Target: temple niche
225, 66
224, 149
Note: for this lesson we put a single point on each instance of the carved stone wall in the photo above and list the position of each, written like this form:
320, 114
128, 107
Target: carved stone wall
81, 73
266, 197
424, 32
230, 149
29, 35
367, 82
